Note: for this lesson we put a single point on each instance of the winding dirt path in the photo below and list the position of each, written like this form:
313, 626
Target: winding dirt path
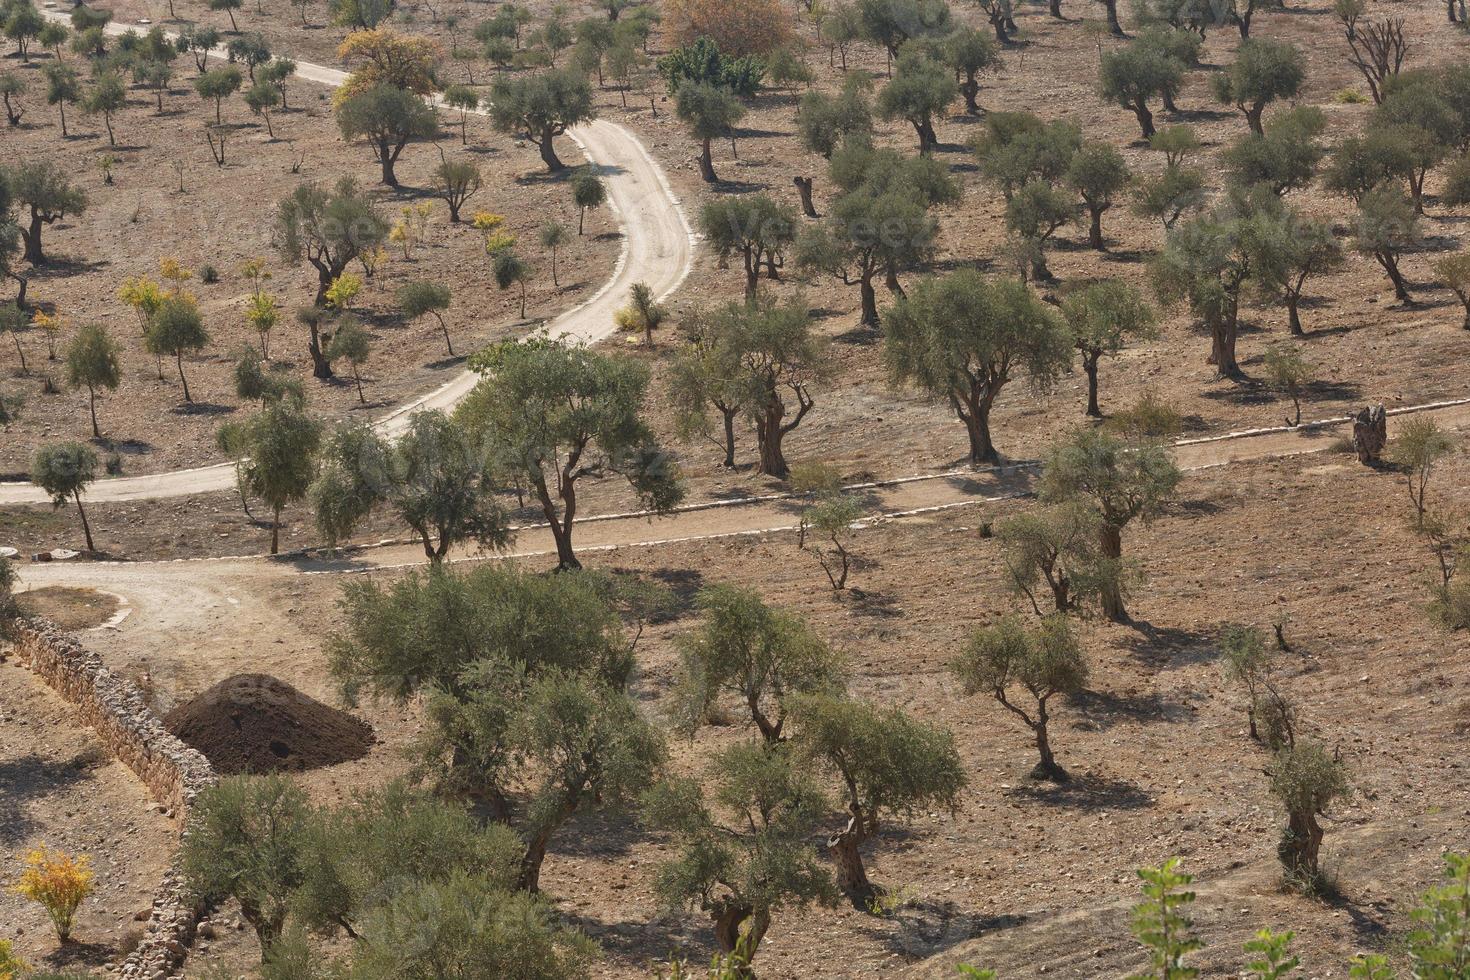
658, 249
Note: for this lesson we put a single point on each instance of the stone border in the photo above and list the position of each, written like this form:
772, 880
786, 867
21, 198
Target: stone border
173, 772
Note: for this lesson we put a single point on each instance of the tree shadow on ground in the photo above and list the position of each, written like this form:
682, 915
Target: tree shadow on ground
1171, 646
202, 408
30, 778
1087, 792
75, 953
927, 927
1101, 710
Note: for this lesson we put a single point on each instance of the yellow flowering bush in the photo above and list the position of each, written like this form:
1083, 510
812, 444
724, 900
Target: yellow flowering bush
11, 966
344, 290
59, 882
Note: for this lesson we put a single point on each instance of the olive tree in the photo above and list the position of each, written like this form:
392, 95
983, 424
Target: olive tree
1207, 262
1134, 75
1055, 547
550, 414
1293, 248
1417, 448
434, 477
710, 112
218, 84
43, 195
1098, 173
1264, 71
968, 52
276, 456
387, 118
1245, 659
64, 470
921, 89
1454, 272
588, 193
423, 297
768, 351
92, 363
455, 182
1307, 779
176, 328
826, 123
541, 107
1284, 156
1288, 372
753, 225
962, 339
1044, 662
742, 870
1387, 225
880, 223
761, 656
1120, 482
107, 97
247, 840
890, 765
63, 88
1102, 318
352, 343
330, 228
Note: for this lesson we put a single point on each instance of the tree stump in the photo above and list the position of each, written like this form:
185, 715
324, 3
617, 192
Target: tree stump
804, 188
1370, 433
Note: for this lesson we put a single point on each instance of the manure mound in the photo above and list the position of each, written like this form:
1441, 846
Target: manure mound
253, 723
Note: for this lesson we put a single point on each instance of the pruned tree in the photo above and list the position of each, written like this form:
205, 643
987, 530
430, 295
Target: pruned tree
553, 235
1101, 318
550, 414
1044, 661
63, 471
964, 337
92, 363
1121, 482
1307, 780
758, 655
1245, 659
1264, 71
890, 765
541, 107
1378, 50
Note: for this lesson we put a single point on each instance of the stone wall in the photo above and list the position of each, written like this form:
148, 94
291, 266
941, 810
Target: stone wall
173, 772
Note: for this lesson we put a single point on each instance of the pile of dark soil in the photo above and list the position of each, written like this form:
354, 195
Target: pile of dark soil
255, 723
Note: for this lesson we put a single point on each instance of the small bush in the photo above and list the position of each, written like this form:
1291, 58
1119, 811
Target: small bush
59, 882
1349, 96
208, 274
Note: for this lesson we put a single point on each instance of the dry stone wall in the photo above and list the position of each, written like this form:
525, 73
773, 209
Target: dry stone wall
173, 772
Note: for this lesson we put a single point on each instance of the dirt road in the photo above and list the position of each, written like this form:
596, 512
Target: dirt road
658, 249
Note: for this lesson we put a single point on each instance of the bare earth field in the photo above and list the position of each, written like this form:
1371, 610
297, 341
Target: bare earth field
1157, 742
